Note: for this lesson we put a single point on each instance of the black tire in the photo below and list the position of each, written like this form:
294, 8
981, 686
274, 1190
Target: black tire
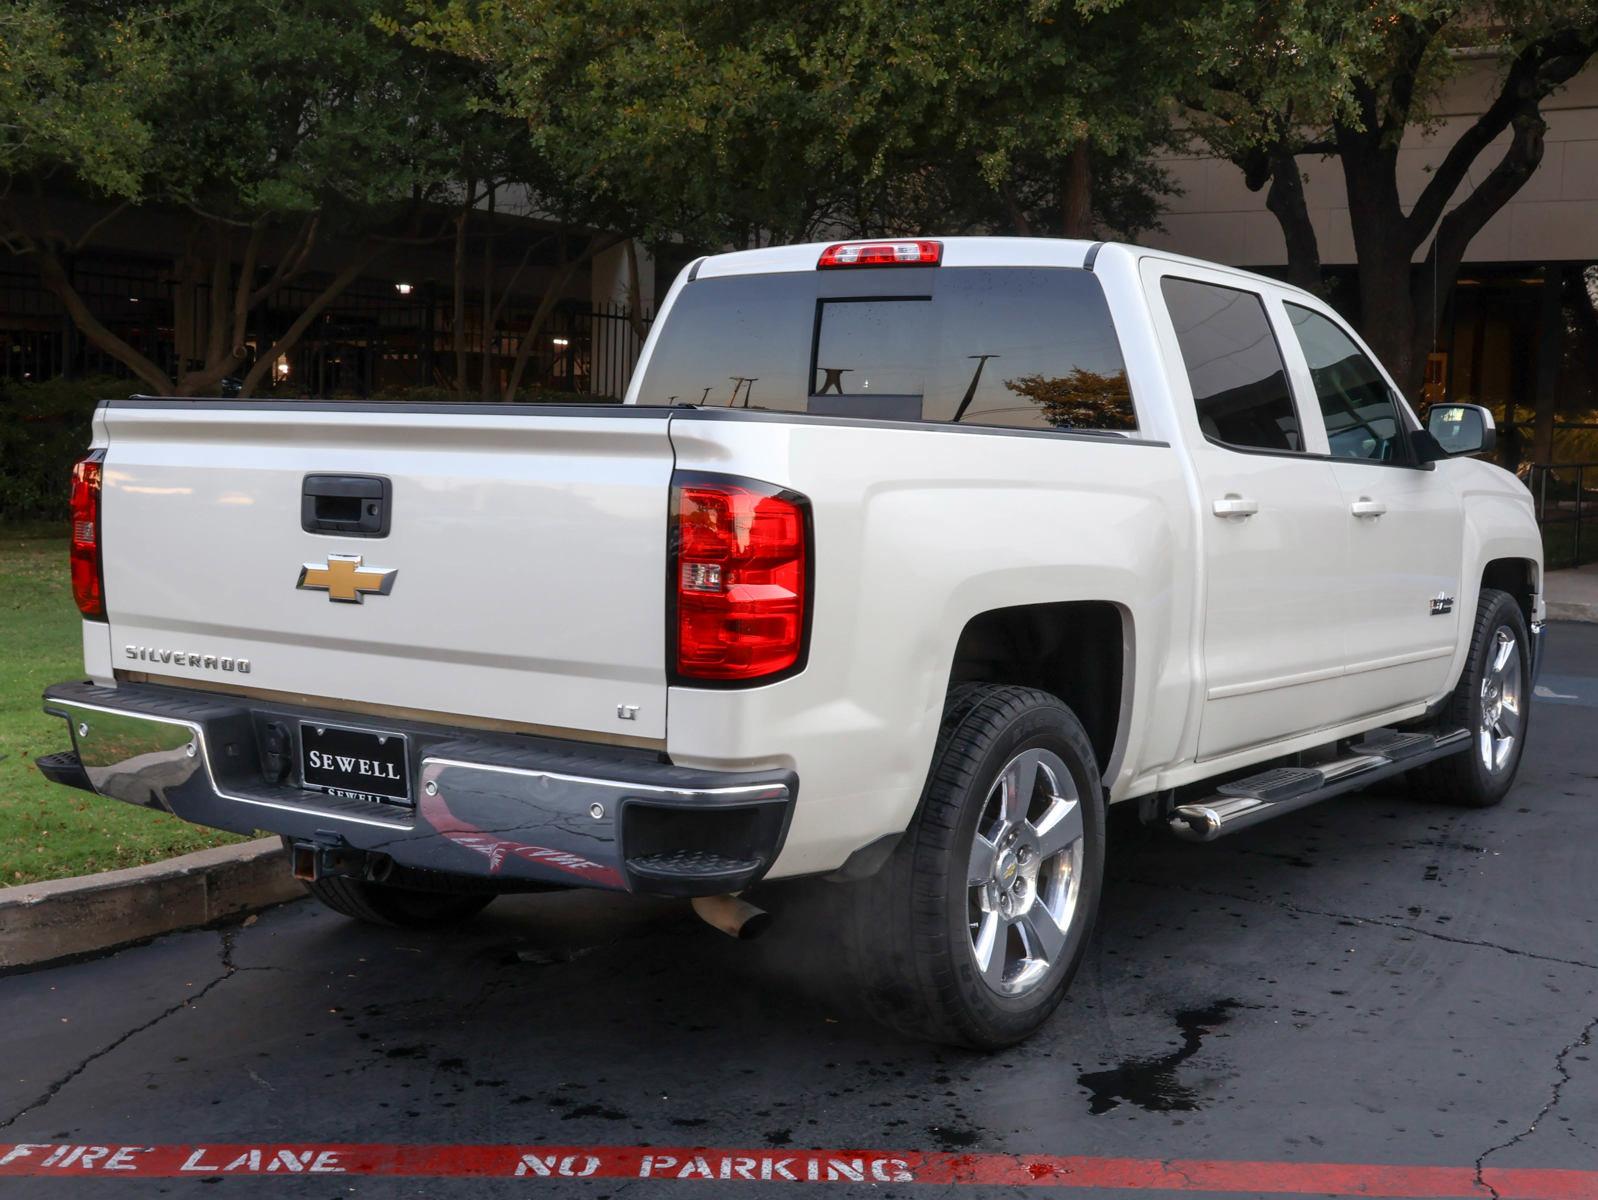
910, 926
1465, 779
403, 908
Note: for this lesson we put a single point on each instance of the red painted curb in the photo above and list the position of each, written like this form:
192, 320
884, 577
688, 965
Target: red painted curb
76, 1161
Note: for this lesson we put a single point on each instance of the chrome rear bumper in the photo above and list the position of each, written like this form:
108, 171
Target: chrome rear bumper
510, 808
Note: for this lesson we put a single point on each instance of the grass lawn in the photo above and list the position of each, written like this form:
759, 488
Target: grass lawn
47, 831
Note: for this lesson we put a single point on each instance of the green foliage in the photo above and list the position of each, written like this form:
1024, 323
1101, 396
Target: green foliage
1304, 67
44, 429
994, 100
746, 124
277, 125
46, 830
666, 118
77, 85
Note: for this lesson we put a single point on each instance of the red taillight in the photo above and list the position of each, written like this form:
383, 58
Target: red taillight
740, 579
88, 583
912, 253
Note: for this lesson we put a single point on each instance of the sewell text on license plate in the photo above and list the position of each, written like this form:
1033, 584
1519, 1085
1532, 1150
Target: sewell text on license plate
357, 764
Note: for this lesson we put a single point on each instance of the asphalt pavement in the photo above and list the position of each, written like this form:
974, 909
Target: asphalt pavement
1387, 985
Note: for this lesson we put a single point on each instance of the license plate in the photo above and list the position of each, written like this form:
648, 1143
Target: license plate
357, 764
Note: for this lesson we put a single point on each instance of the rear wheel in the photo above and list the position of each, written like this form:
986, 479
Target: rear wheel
406, 908
973, 930
1492, 701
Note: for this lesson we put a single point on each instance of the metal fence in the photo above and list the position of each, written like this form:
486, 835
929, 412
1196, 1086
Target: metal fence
1566, 499
372, 339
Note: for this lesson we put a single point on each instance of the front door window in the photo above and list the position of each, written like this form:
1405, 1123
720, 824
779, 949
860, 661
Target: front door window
1362, 417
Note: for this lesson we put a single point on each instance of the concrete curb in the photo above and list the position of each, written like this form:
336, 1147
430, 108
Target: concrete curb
1567, 610
63, 918
1572, 594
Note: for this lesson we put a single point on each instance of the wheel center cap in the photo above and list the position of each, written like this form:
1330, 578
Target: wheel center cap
1008, 867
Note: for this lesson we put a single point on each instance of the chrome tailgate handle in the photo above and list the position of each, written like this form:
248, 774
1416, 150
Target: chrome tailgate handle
347, 505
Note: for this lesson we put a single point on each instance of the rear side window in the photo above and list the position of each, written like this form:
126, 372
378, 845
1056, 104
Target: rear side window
1019, 347
1362, 417
1234, 366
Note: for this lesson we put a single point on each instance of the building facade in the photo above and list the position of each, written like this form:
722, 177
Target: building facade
1520, 331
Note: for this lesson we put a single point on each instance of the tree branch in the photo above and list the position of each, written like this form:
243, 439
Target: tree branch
1536, 71
547, 306
635, 293
216, 329
1018, 219
1464, 222
292, 261
245, 288
54, 277
88, 234
291, 336
515, 278
1286, 200
1414, 39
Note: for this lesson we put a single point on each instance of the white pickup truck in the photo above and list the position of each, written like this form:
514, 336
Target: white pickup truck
901, 561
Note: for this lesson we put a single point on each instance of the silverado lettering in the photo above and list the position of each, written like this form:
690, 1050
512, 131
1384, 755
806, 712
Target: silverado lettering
209, 662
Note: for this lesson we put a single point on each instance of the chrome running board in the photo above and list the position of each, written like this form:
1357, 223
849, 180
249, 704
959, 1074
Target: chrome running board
1281, 790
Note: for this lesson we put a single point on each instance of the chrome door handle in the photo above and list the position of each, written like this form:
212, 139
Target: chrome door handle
1365, 507
1235, 507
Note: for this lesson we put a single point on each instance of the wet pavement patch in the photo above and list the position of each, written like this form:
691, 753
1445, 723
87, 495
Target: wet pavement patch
1152, 1083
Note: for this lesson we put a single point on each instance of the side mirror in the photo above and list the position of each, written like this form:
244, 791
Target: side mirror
1462, 428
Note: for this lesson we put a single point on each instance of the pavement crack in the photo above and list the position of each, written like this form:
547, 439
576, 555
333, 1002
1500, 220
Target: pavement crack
1384, 922
229, 969
1555, 1093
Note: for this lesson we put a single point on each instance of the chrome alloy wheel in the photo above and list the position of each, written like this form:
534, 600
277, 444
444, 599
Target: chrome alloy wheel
1025, 872
1501, 702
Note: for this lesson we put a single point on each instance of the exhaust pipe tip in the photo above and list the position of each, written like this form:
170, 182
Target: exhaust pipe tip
734, 916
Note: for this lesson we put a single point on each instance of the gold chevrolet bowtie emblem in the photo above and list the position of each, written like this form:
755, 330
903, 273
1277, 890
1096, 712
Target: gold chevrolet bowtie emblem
345, 579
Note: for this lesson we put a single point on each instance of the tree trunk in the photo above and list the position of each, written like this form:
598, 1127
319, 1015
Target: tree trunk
458, 315
485, 385
1383, 247
635, 294
1076, 207
1286, 200
1076, 201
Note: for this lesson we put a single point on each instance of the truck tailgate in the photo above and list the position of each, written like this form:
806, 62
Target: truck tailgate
527, 549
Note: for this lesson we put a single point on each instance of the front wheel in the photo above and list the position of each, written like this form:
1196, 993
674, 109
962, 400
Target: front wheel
972, 932
1493, 702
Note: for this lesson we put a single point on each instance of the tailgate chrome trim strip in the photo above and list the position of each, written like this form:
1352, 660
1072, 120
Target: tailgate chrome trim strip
768, 791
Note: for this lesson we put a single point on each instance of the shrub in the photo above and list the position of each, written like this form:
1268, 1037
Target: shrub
44, 429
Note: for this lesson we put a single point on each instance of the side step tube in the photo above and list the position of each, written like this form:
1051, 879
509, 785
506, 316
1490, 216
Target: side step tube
1282, 790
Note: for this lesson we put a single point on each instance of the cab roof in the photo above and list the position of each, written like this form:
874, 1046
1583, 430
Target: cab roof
957, 252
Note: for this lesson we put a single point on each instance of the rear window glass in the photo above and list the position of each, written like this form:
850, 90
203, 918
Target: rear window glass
1021, 347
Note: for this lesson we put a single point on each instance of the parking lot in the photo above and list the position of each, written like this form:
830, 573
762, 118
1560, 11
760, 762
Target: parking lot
1376, 983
